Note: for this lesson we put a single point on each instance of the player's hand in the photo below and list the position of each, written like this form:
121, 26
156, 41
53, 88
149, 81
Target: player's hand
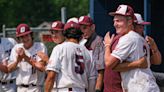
21, 52
40, 66
43, 56
107, 39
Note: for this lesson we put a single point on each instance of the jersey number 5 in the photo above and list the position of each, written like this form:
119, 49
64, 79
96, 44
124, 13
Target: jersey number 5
80, 65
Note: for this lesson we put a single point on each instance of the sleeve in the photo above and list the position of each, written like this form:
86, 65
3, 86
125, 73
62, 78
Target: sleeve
2, 53
13, 55
124, 48
100, 60
54, 63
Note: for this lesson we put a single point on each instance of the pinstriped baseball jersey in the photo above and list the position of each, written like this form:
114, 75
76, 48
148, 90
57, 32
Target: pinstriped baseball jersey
26, 74
8, 44
73, 64
132, 47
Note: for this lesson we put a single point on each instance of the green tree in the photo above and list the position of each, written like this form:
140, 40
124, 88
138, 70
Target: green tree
34, 12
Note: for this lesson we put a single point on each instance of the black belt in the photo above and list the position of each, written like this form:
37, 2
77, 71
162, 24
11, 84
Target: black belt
7, 82
70, 89
26, 86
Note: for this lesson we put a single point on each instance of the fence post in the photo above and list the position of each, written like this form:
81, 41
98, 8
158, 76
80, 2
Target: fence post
4, 31
63, 14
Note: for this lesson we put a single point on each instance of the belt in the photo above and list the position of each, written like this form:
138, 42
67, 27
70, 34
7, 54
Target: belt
70, 89
26, 86
7, 82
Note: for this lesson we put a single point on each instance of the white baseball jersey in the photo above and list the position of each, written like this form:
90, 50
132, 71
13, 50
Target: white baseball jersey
8, 44
26, 74
73, 64
132, 47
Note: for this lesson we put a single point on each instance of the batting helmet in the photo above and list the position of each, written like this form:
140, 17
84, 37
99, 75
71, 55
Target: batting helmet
22, 29
124, 10
85, 20
72, 30
139, 20
57, 25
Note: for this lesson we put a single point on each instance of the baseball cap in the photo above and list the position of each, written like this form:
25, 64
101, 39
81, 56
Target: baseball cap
57, 25
124, 10
85, 20
139, 20
74, 19
22, 29
71, 24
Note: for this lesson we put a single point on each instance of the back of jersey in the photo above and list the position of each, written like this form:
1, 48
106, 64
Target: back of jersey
72, 63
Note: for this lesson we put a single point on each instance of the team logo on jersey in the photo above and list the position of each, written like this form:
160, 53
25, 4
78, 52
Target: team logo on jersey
22, 29
81, 18
54, 24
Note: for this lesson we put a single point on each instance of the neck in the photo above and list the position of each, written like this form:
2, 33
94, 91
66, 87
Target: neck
28, 46
72, 40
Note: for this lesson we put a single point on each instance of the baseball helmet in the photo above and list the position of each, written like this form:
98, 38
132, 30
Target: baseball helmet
72, 30
139, 20
74, 19
85, 20
124, 10
22, 29
57, 25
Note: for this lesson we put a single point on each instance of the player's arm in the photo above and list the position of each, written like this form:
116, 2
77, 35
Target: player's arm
156, 55
126, 66
99, 81
13, 66
110, 61
3, 68
49, 81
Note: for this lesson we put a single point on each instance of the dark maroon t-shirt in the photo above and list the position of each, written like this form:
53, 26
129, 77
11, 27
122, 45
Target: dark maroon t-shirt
112, 79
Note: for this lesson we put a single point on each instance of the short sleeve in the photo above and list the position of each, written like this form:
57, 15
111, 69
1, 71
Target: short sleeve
124, 48
54, 63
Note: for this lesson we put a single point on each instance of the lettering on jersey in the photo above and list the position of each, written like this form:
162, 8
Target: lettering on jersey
79, 66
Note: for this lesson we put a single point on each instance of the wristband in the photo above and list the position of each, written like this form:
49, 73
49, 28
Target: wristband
106, 45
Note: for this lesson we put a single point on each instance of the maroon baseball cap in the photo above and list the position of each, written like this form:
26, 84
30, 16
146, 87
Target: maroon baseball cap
71, 24
139, 20
124, 10
85, 20
22, 29
57, 25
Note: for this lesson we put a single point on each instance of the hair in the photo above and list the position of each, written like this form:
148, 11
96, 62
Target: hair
32, 36
73, 33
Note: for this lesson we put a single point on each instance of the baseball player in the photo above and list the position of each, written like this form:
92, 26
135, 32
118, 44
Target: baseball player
25, 60
57, 28
131, 46
139, 28
94, 43
69, 67
7, 82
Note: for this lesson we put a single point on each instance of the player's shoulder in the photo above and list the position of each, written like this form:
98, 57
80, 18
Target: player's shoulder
8, 40
39, 44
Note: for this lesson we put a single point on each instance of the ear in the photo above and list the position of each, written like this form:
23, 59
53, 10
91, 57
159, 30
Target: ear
93, 27
130, 22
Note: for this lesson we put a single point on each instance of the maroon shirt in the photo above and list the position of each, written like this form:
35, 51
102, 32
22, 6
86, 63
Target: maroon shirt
112, 79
